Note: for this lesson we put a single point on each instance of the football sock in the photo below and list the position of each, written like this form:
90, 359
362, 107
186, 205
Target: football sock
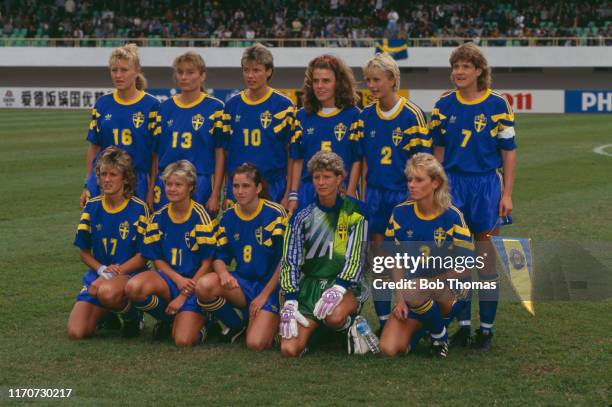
223, 310
154, 306
129, 312
487, 302
429, 314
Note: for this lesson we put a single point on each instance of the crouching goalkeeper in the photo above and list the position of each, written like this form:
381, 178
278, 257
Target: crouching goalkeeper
323, 259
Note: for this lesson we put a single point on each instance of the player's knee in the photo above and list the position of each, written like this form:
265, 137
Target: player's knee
207, 286
76, 333
109, 296
257, 344
291, 349
134, 290
389, 349
335, 320
184, 341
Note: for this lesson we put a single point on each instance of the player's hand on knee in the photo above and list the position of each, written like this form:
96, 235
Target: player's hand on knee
186, 285
290, 317
329, 300
401, 310
104, 272
256, 305
228, 281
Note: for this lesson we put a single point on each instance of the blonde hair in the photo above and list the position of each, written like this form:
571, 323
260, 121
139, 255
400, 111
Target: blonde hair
193, 58
129, 52
435, 171
470, 52
113, 156
260, 54
387, 64
184, 169
326, 161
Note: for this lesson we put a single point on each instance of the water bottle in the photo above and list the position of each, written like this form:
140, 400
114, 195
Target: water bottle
363, 328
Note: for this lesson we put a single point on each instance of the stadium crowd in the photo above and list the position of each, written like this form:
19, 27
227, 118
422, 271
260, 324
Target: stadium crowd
347, 23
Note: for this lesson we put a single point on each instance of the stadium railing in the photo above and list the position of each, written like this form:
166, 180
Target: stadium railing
157, 41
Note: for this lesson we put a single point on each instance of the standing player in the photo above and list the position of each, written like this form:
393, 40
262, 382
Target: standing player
180, 240
261, 124
393, 130
322, 259
128, 118
251, 234
428, 224
329, 121
473, 133
192, 129
110, 236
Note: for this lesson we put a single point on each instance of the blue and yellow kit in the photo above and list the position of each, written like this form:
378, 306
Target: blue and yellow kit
259, 133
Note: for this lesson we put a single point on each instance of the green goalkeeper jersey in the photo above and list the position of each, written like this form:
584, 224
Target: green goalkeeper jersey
324, 243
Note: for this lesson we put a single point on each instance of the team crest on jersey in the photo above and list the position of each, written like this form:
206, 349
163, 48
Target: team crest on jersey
124, 229
259, 235
310, 130
265, 118
138, 119
339, 131
342, 231
439, 236
397, 136
480, 122
197, 121
517, 259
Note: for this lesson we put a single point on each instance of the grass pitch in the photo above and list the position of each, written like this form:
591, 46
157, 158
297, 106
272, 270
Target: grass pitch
562, 356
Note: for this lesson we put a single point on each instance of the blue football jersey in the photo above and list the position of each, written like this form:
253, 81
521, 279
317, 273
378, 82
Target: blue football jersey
338, 131
473, 133
259, 132
190, 132
113, 235
255, 242
444, 234
182, 243
389, 142
127, 125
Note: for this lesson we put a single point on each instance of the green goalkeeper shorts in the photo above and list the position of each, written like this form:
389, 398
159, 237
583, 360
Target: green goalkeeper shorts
311, 290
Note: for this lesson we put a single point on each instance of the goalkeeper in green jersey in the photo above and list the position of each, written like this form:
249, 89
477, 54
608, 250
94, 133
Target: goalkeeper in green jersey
323, 258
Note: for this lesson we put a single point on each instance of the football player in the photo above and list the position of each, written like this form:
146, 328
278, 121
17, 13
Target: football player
322, 259
261, 123
192, 129
181, 241
110, 236
127, 118
251, 234
328, 121
393, 130
473, 132
427, 225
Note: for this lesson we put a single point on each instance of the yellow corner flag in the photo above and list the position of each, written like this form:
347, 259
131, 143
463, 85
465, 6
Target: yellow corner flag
517, 261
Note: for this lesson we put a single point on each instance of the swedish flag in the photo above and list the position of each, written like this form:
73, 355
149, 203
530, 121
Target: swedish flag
397, 48
517, 261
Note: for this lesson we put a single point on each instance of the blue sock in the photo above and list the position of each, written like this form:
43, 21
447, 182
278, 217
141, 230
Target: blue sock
154, 306
416, 338
429, 314
463, 311
383, 311
129, 312
487, 302
223, 310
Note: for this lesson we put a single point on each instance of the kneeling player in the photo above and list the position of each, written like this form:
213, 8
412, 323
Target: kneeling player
251, 233
181, 241
110, 236
437, 228
322, 259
